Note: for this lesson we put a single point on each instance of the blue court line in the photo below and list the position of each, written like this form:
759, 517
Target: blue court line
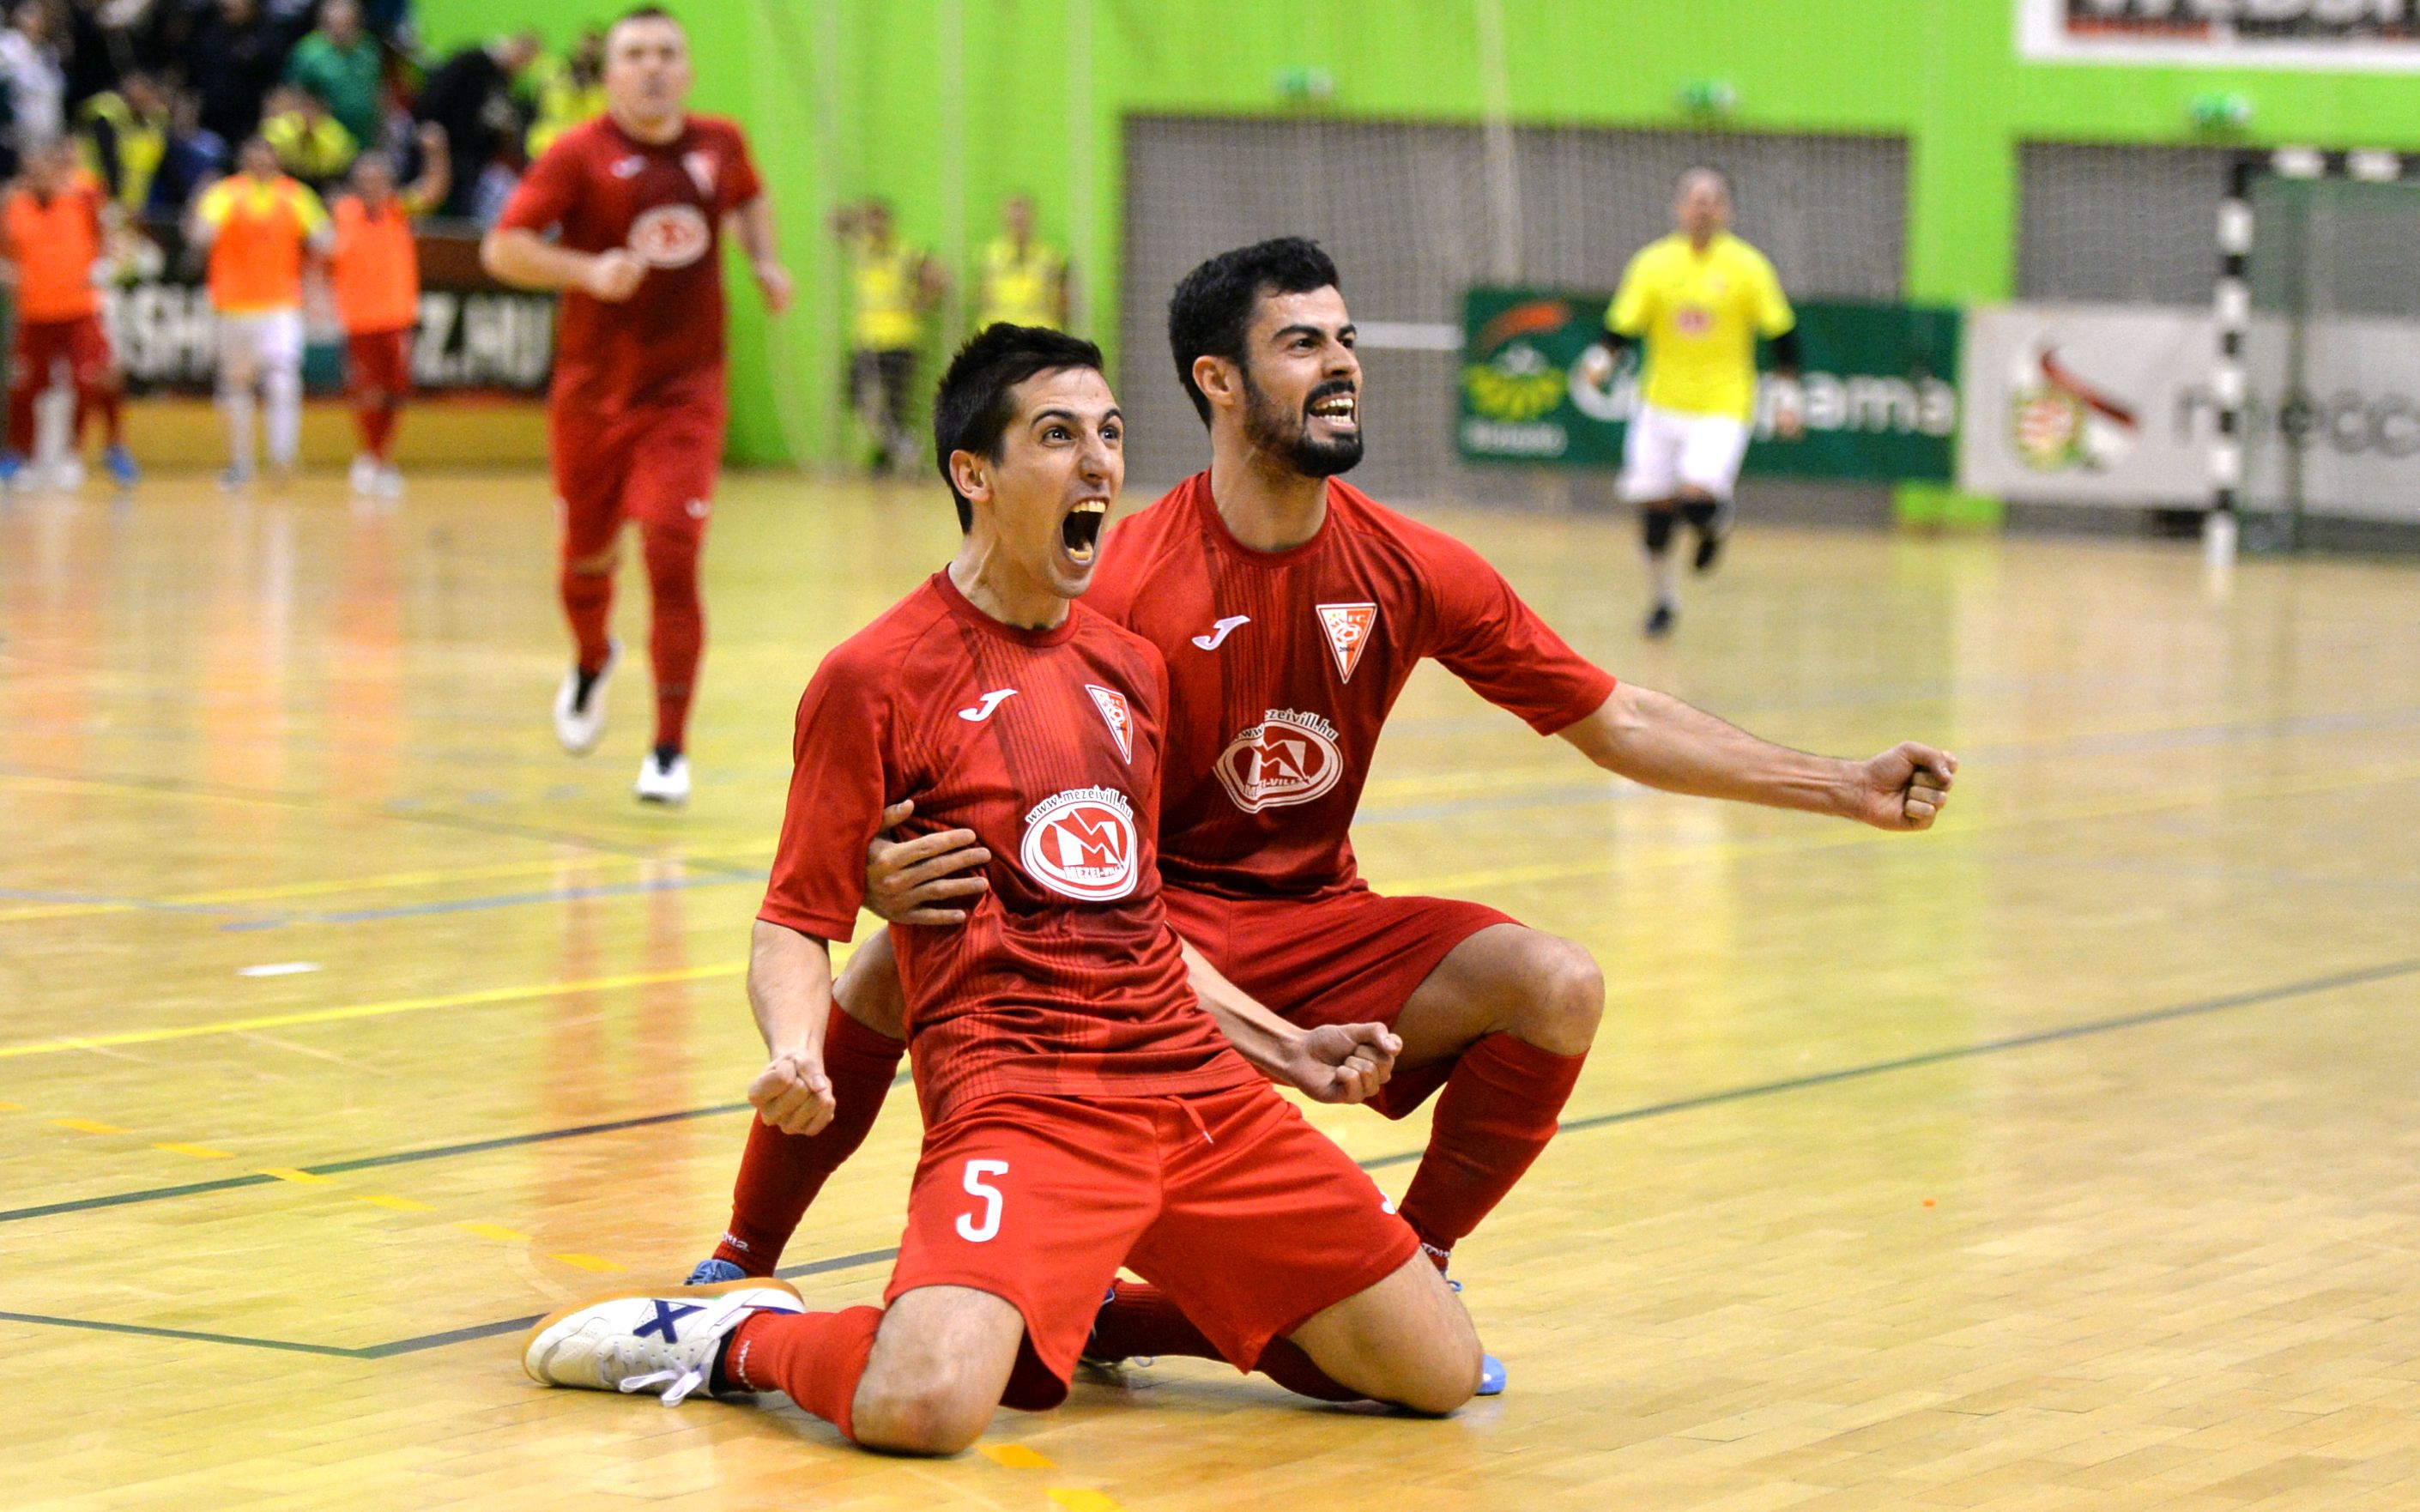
1737, 1094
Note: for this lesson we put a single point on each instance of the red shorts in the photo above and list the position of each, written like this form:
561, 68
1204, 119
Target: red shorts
1248, 1217
1348, 957
652, 460
378, 361
80, 341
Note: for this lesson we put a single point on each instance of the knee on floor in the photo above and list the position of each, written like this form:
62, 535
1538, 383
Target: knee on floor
940, 1415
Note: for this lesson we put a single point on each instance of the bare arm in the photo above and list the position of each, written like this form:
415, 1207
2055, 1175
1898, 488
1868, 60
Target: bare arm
436, 178
1656, 739
521, 257
753, 224
789, 987
1333, 1063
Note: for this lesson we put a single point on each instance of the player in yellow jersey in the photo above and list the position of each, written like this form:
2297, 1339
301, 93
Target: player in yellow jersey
1698, 299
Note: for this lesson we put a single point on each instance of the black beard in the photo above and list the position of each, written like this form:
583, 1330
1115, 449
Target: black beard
1272, 428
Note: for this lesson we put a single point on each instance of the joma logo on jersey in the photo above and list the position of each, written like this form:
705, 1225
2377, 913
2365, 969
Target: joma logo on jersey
1081, 842
669, 236
1290, 757
1349, 627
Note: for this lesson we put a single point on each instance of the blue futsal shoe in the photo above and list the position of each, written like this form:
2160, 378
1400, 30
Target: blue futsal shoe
120, 465
13, 467
1491, 1369
714, 1271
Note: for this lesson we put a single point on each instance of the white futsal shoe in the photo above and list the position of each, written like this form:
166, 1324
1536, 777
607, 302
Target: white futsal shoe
579, 723
390, 481
365, 475
662, 781
667, 1342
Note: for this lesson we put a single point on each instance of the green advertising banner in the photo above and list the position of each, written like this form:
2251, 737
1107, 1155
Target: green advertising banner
1881, 389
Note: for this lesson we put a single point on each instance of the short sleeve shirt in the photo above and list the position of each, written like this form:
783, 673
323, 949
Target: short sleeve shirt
1283, 666
1066, 978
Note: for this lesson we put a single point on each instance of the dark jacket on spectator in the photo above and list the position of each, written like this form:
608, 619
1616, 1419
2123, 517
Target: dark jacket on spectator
232, 67
471, 96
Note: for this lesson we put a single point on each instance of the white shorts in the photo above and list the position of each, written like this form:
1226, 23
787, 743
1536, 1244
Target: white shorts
263, 341
1665, 452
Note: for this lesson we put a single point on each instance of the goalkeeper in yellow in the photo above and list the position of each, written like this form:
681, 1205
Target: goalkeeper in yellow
1698, 299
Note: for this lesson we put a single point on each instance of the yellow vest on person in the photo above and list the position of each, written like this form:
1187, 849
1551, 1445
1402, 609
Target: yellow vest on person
887, 287
1020, 290
141, 145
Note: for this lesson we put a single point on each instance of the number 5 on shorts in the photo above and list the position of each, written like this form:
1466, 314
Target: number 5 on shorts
973, 1229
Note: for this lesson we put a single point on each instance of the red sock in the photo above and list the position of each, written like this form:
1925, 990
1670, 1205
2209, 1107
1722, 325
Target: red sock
680, 634
780, 1173
1140, 1320
374, 420
588, 603
390, 420
1495, 1115
818, 1358
21, 420
105, 400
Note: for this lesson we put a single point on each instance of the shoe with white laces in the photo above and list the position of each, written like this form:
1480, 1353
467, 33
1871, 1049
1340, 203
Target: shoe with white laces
667, 1341
579, 704
663, 777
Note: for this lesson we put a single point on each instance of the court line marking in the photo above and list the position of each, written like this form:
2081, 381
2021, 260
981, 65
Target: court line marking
2255, 997
369, 1010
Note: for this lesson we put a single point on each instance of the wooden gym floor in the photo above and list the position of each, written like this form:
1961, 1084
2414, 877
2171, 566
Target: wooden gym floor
2061, 1158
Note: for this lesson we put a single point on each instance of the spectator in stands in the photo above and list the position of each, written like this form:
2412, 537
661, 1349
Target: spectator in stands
36, 82
233, 59
343, 65
311, 143
471, 96
194, 157
572, 90
126, 132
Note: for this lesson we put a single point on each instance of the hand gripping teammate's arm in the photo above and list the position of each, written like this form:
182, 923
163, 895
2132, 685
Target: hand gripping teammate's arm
789, 986
1656, 739
1330, 1063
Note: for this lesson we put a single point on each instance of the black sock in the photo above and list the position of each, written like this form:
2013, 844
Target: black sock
665, 756
587, 686
1699, 512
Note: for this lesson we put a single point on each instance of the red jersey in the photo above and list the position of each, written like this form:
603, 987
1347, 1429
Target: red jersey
665, 204
1066, 978
1282, 666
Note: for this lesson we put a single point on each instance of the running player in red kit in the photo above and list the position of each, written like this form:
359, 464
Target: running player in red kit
1082, 1109
1291, 609
639, 196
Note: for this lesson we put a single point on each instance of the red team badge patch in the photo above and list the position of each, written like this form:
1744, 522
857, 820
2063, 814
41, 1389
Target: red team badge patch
1348, 627
1290, 757
670, 236
1115, 713
1082, 844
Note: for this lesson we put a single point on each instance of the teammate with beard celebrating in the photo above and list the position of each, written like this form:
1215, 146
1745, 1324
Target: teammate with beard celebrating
1291, 609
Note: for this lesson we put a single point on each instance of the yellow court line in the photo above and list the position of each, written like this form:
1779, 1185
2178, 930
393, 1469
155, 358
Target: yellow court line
495, 1231
371, 1011
1083, 1499
588, 1262
380, 1199
90, 1126
1014, 1457
197, 1151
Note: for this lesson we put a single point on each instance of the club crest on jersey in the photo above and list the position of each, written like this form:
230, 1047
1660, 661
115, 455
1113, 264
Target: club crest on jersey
670, 236
701, 171
1290, 757
1349, 627
1082, 844
1117, 716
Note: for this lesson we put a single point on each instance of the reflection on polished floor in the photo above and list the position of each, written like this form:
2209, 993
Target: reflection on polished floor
2060, 1158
